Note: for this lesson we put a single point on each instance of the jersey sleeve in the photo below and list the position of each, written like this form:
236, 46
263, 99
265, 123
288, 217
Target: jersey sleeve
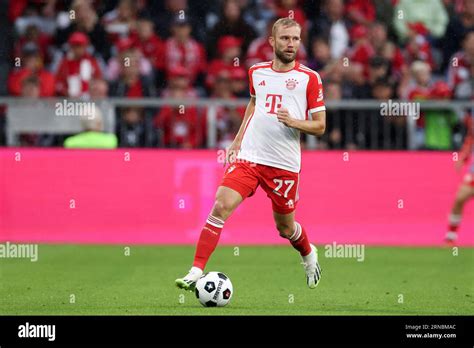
251, 89
314, 94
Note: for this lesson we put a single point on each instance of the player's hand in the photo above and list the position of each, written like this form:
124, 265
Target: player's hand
283, 116
232, 151
458, 165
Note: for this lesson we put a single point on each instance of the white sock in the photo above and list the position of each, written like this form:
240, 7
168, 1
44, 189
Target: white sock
451, 235
195, 270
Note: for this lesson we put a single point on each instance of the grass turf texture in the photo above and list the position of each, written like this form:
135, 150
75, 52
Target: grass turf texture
268, 280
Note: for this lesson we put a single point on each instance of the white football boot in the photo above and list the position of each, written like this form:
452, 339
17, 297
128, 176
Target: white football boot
188, 282
451, 237
312, 268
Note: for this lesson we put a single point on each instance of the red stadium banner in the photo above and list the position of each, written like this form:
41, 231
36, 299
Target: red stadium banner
164, 197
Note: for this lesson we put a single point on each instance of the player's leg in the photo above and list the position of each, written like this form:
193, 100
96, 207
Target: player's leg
296, 234
465, 191
281, 187
227, 200
240, 181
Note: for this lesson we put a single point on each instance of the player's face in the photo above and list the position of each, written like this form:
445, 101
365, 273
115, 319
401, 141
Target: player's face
286, 43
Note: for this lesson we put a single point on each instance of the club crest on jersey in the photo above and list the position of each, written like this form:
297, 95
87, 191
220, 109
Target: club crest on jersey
291, 84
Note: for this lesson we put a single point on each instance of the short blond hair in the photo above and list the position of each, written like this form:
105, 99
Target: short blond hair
284, 22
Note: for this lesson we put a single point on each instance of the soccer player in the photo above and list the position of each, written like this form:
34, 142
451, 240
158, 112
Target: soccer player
466, 189
283, 93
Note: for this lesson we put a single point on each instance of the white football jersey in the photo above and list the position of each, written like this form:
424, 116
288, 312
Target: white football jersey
265, 140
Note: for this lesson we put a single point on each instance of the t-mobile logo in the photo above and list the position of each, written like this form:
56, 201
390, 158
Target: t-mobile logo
273, 102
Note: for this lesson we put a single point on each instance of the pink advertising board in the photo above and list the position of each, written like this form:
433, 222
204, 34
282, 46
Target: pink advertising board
164, 196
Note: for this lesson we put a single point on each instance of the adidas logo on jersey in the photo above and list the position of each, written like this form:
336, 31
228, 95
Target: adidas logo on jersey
262, 83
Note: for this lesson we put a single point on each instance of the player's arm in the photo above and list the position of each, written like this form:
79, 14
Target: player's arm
235, 146
316, 126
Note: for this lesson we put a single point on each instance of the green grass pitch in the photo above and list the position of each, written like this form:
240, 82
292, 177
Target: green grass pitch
268, 280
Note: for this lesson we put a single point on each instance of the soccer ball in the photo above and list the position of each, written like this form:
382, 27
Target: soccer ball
214, 289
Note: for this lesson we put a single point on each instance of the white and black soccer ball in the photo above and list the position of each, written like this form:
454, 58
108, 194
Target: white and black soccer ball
214, 289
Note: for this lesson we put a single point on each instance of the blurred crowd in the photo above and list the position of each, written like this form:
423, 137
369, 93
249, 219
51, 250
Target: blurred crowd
363, 49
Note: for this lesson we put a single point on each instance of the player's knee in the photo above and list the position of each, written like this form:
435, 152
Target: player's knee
222, 208
284, 229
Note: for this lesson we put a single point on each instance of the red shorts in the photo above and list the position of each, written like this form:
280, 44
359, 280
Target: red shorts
469, 179
280, 185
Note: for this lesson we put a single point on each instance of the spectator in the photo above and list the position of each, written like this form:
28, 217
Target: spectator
77, 68
30, 88
33, 36
385, 48
418, 46
229, 59
320, 53
122, 20
132, 128
239, 83
458, 27
429, 13
98, 89
87, 21
333, 27
181, 127
328, 68
164, 18
419, 89
131, 82
260, 49
228, 118
93, 136
231, 23
181, 50
361, 12
290, 8
179, 79
32, 65
378, 77
332, 139
149, 43
461, 69
362, 50
390, 129
382, 88
127, 49
420, 83
38, 13
439, 124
